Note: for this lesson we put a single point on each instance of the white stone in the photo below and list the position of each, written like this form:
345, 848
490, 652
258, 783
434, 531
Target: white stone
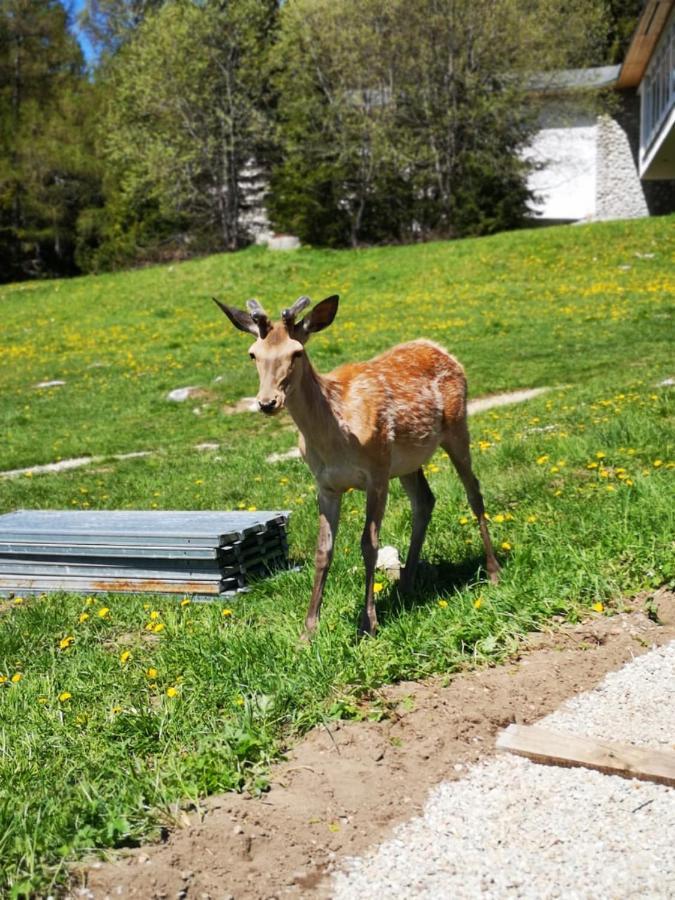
179, 395
388, 559
50, 384
282, 457
283, 242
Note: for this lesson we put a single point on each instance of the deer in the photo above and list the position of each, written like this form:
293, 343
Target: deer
360, 426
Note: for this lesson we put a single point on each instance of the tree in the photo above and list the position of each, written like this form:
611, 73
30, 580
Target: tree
46, 170
110, 23
185, 115
623, 16
400, 119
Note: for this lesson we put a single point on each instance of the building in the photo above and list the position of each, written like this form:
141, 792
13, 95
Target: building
621, 163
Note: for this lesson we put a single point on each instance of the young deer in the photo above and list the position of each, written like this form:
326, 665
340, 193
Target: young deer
361, 425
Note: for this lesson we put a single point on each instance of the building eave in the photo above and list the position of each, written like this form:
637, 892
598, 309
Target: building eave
645, 38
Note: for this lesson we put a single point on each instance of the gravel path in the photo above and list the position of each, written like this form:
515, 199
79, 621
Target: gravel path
513, 828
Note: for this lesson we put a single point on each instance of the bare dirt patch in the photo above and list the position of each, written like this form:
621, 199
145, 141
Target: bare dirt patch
343, 788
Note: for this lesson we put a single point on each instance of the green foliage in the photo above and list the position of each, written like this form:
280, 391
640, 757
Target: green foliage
184, 116
399, 121
623, 17
47, 170
109, 23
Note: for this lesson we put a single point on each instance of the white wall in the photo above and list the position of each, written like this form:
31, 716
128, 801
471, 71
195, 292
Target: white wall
566, 181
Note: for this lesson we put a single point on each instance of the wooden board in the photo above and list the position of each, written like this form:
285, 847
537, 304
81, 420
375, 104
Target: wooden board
554, 748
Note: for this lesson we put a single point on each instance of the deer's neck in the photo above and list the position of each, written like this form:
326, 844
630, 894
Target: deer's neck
314, 408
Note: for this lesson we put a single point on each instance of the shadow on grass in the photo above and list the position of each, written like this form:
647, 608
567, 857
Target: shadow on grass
432, 582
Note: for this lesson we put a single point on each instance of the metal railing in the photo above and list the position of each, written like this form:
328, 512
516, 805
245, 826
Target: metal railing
658, 89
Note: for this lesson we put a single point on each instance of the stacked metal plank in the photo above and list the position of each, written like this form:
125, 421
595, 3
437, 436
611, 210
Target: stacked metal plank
202, 553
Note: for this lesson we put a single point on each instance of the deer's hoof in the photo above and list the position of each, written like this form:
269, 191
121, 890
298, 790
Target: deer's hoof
367, 627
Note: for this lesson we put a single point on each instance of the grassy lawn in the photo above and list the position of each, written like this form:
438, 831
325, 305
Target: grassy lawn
107, 721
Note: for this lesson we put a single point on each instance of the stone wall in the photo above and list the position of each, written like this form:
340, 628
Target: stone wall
620, 194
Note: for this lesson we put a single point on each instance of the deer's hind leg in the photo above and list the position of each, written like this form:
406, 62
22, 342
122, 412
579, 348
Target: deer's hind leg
422, 502
376, 500
456, 444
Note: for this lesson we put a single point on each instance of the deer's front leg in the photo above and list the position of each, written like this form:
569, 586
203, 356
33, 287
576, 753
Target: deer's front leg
376, 500
329, 517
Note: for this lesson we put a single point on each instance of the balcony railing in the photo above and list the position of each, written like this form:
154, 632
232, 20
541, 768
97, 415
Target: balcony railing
658, 89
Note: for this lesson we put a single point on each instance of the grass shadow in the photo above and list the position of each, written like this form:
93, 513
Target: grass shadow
432, 582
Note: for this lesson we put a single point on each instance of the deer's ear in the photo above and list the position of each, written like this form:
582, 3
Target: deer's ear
239, 318
320, 317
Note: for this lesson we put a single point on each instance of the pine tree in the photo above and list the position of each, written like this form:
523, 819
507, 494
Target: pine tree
46, 173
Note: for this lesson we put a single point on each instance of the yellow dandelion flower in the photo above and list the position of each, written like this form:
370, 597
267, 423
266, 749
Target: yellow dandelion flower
154, 614
253, 509
18, 601
65, 642
600, 455
499, 518
592, 465
64, 696
239, 701
16, 677
83, 617
443, 604
531, 519
377, 587
151, 672
125, 656
226, 612
3, 679
598, 607
542, 460
478, 602
464, 520
89, 601
103, 612
185, 601
157, 627
657, 463
506, 545
172, 692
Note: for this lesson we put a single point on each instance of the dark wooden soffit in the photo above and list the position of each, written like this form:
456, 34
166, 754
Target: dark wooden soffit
649, 29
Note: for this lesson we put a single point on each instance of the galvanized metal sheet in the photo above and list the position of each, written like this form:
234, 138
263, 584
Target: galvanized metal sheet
54, 568
198, 528
196, 553
11, 584
102, 551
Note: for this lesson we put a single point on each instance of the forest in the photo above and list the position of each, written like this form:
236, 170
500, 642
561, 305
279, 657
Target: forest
192, 124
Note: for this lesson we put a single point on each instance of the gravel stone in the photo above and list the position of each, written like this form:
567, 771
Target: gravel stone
516, 829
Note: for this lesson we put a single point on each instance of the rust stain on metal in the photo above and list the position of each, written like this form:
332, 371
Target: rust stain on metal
155, 585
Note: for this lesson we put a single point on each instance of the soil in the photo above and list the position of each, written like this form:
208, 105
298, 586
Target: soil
343, 788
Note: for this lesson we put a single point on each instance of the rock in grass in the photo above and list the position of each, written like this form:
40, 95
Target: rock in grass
179, 395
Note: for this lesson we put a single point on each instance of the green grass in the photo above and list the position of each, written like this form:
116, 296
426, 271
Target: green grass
578, 484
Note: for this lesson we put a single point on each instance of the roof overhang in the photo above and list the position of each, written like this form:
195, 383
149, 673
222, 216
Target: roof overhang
650, 26
564, 81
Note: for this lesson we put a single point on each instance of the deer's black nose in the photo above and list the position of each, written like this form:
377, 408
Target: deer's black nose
267, 406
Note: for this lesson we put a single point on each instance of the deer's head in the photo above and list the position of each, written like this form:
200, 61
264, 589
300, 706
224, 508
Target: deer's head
279, 348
